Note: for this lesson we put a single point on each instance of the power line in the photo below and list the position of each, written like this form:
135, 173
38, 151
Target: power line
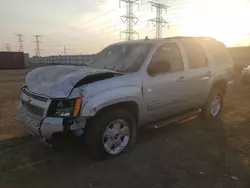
37, 50
75, 38
87, 43
130, 19
180, 3
159, 22
7, 47
90, 41
87, 31
98, 25
86, 22
106, 31
77, 35
20, 41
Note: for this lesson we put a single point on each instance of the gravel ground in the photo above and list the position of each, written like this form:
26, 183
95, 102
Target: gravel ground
193, 153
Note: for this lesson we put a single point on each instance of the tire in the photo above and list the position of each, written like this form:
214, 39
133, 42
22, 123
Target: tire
207, 109
97, 141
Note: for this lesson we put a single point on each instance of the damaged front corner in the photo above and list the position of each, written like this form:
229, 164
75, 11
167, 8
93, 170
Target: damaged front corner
91, 111
82, 90
80, 123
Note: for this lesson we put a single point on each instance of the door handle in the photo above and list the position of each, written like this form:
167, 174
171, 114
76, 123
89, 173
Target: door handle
181, 79
208, 73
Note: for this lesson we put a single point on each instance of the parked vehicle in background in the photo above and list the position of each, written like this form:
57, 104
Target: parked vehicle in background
128, 85
245, 75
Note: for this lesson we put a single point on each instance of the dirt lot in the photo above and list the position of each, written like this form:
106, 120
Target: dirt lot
195, 153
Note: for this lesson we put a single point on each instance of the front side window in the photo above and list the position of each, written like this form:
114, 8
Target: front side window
167, 59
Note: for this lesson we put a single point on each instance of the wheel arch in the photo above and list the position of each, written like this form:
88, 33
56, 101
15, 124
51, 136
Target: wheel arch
130, 106
220, 84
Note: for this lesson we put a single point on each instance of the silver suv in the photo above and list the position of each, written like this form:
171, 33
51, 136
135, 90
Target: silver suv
128, 85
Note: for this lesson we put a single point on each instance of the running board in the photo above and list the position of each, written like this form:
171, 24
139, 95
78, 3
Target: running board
174, 119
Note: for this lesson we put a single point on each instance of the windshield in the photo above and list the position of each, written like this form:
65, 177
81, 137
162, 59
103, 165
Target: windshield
122, 57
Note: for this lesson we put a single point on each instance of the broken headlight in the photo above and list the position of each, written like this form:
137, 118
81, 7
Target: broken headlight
65, 108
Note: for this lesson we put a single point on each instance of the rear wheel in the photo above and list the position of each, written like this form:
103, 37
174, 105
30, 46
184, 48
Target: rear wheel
214, 104
110, 133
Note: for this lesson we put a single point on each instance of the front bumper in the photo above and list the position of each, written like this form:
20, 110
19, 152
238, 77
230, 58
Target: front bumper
45, 128
33, 109
42, 128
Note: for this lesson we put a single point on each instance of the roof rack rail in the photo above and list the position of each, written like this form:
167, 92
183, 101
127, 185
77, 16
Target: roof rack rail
188, 37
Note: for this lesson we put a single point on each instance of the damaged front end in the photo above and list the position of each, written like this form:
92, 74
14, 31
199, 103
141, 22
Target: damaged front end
47, 118
51, 102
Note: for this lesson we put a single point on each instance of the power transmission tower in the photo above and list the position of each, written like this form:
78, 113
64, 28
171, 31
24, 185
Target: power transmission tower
65, 50
130, 19
7, 47
159, 22
38, 49
20, 41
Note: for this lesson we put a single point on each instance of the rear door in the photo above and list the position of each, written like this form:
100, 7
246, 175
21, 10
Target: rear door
198, 74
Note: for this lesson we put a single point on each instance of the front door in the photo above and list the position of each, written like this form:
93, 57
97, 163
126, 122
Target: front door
165, 92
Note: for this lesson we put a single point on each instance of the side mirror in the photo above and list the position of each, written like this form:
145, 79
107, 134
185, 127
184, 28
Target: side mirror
158, 67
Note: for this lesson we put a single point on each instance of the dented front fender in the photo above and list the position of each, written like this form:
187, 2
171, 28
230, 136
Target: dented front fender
110, 97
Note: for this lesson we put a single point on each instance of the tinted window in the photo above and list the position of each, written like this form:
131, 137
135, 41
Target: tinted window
196, 55
169, 53
219, 52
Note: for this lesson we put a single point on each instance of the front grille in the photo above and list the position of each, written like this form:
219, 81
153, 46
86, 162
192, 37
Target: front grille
33, 109
34, 96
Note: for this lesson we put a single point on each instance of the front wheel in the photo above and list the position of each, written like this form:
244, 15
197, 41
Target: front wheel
214, 104
110, 133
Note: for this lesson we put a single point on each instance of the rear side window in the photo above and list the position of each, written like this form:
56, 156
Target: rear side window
219, 53
170, 52
196, 55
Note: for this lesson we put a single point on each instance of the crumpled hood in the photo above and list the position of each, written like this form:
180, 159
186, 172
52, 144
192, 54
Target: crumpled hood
58, 81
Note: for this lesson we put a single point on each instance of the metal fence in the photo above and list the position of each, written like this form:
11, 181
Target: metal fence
67, 60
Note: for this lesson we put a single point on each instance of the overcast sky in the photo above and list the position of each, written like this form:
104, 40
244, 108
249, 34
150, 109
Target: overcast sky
77, 24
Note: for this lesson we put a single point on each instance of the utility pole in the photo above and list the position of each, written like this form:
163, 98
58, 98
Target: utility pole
20, 41
65, 53
159, 22
37, 50
7, 47
130, 19
65, 50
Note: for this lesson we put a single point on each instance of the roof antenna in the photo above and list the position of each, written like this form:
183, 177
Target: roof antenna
146, 38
